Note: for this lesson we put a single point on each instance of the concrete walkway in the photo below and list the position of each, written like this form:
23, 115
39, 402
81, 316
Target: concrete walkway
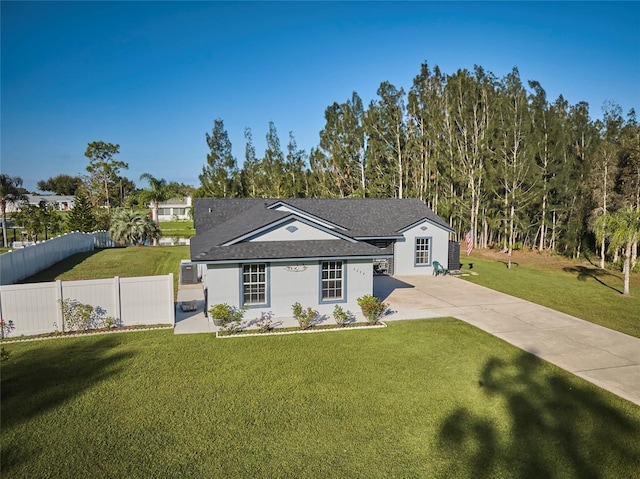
602, 356
189, 322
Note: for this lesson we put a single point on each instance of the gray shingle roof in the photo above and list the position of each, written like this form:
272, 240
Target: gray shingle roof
269, 250
218, 221
209, 212
368, 216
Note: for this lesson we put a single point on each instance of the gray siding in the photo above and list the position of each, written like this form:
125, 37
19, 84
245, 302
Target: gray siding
404, 250
290, 282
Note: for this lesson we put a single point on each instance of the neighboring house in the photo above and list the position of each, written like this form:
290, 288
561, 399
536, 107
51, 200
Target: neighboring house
268, 254
62, 202
174, 209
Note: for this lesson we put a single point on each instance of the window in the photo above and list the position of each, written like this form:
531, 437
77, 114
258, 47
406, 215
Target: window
254, 283
178, 211
332, 280
164, 211
422, 251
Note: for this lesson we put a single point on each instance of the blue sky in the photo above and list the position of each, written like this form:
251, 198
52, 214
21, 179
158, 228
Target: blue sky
152, 76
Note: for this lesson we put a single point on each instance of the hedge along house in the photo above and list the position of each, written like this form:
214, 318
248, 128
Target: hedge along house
268, 253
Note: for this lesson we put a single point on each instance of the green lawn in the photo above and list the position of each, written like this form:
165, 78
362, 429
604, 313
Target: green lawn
179, 229
123, 262
420, 399
577, 288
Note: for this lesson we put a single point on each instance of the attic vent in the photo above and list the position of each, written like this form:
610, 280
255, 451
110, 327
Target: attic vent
292, 229
423, 228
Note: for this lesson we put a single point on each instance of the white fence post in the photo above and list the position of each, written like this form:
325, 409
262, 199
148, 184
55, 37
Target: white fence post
172, 305
2, 328
59, 299
116, 297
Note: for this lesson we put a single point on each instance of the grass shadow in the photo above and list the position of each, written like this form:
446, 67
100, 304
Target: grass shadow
46, 378
556, 429
59, 268
584, 273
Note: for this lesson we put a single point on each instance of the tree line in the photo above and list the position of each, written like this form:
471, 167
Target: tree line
492, 156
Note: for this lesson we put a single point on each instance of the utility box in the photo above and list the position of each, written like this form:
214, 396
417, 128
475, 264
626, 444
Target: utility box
188, 273
189, 305
454, 255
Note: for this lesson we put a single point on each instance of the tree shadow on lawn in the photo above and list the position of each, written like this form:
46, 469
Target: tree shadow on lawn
585, 272
45, 378
555, 429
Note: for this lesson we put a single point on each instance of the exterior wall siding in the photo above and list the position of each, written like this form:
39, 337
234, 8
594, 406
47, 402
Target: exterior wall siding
404, 250
290, 282
302, 232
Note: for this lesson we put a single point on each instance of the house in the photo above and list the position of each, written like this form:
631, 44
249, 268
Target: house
61, 202
270, 253
174, 209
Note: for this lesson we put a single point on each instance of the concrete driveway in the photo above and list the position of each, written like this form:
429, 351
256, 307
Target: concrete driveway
602, 356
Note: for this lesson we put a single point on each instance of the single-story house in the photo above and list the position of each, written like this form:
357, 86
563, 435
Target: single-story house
61, 202
270, 253
174, 209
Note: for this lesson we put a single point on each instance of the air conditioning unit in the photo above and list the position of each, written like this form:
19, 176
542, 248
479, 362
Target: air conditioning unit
188, 273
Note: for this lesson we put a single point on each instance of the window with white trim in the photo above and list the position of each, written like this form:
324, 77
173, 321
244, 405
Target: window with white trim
422, 251
331, 280
254, 283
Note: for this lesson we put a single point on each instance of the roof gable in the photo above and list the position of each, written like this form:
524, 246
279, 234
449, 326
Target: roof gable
291, 228
283, 206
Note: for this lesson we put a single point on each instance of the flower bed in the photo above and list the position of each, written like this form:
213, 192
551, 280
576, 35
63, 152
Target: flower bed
315, 329
89, 332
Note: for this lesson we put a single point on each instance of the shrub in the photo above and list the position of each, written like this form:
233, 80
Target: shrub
340, 315
110, 322
221, 311
227, 316
264, 323
6, 327
372, 308
4, 355
75, 315
304, 316
231, 327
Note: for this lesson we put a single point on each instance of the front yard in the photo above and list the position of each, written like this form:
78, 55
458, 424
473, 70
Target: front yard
433, 398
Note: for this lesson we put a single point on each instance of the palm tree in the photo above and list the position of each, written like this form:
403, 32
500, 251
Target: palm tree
9, 194
159, 190
132, 227
623, 230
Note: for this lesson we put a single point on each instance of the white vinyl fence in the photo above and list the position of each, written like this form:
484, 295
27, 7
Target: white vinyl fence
24, 262
35, 308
